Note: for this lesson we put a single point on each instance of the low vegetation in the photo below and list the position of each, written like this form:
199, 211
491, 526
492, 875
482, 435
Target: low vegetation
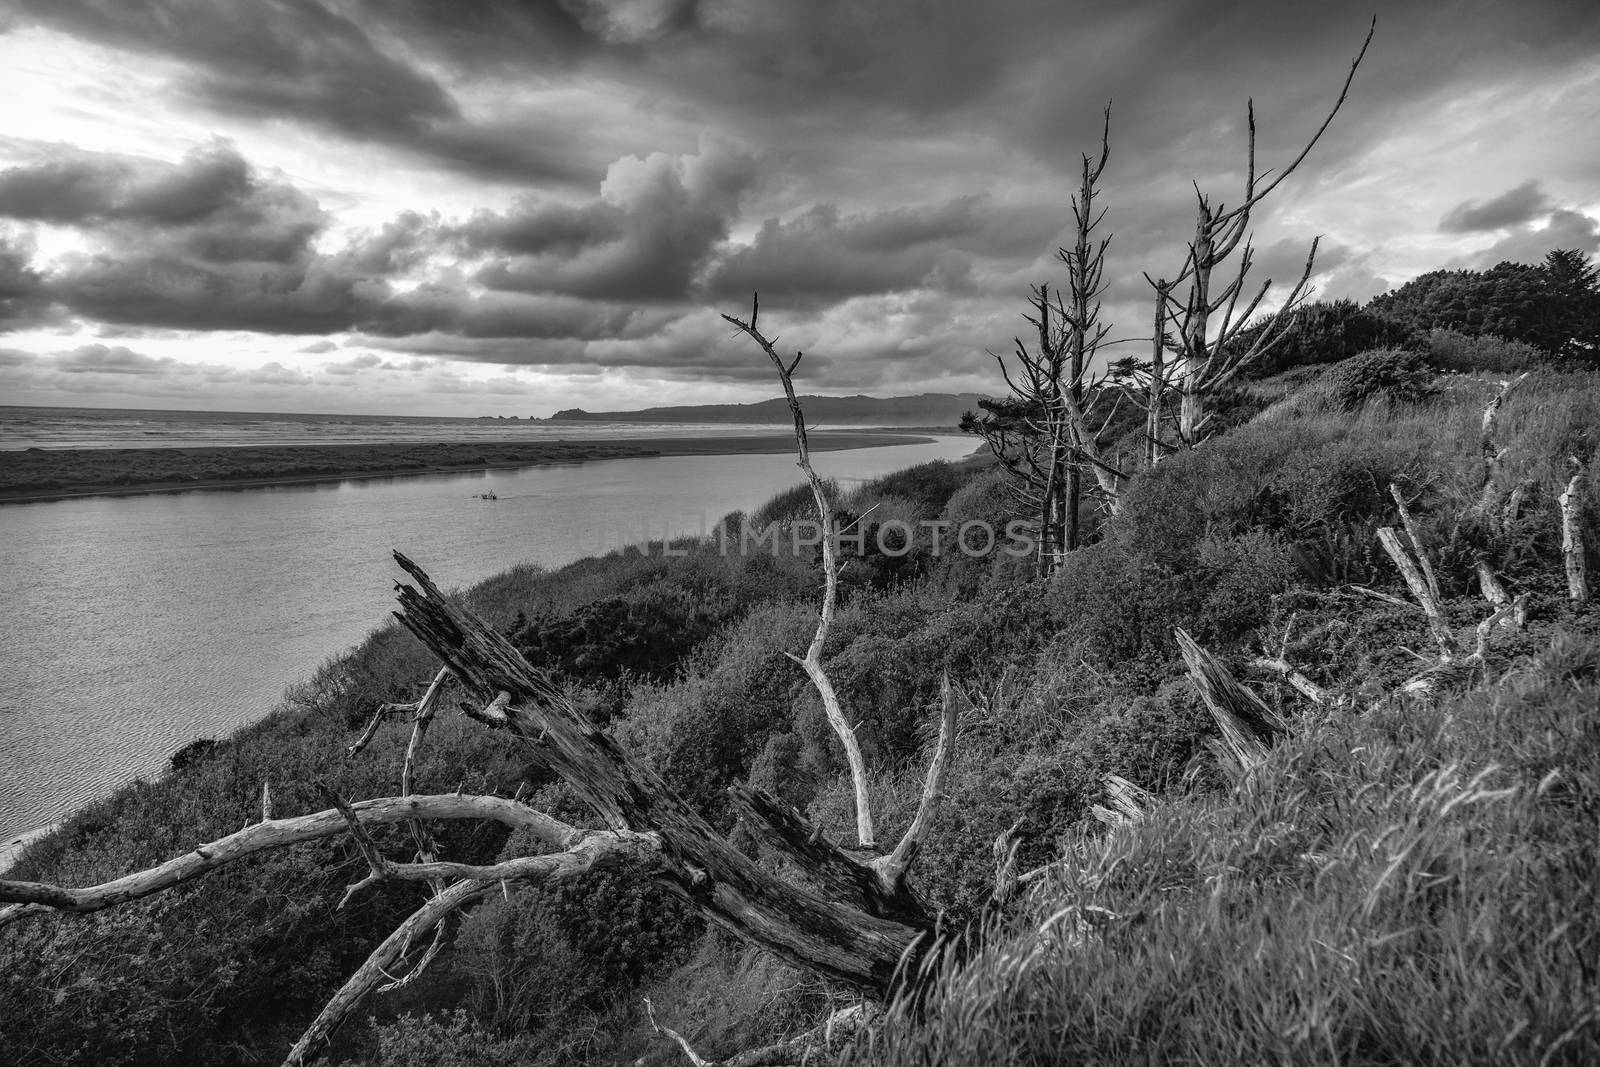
1406, 875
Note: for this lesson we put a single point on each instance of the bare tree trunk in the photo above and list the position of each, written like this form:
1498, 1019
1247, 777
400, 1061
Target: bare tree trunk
1192, 362
1158, 382
811, 663
1572, 548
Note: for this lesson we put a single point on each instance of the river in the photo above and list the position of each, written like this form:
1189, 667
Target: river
136, 624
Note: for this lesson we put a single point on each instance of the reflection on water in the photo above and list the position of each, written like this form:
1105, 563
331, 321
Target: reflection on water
136, 624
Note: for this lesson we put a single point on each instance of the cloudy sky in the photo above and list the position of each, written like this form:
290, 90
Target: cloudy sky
513, 206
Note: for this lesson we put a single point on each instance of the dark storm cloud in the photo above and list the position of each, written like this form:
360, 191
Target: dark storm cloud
81, 187
821, 258
541, 34
320, 296
211, 206
22, 300
304, 61
1511, 208
288, 57
99, 359
540, 228
210, 244
451, 310
1566, 228
657, 222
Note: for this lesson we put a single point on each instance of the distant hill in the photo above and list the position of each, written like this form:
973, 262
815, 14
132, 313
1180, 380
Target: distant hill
926, 409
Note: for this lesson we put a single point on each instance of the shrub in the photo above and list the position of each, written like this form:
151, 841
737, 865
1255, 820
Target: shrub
449, 1039
929, 485
541, 954
1321, 333
1393, 373
1450, 350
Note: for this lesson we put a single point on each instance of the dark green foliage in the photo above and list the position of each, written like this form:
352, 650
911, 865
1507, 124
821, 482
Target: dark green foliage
1452, 351
191, 752
930, 485
1396, 374
797, 502
1554, 306
645, 633
449, 1039
1321, 333
541, 955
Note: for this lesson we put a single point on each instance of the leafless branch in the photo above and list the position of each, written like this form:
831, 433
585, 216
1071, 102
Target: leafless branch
811, 663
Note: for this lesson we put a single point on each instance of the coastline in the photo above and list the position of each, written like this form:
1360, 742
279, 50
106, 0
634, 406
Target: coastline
12, 848
40, 475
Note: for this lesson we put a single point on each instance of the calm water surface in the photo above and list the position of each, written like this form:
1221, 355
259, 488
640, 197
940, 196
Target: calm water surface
136, 624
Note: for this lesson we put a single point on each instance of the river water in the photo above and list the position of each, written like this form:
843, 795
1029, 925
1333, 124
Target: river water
136, 624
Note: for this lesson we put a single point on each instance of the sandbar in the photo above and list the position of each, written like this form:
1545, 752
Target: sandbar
39, 474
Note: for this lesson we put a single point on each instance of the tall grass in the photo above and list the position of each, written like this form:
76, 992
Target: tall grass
1419, 884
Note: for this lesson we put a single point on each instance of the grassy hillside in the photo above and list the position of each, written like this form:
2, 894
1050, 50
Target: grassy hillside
1408, 878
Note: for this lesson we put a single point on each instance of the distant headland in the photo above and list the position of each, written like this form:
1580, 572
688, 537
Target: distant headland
924, 409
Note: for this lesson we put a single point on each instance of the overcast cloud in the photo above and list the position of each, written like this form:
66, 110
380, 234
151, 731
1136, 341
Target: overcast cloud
498, 207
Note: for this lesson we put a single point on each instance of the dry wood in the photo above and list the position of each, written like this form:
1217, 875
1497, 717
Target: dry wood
845, 941
384, 712
1503, 614
277, 833
1206, 360
1495, 593
1421, 591
1125, 805
375, 971
893, 867
1295, 677
811, 663
1493, 454
1155, 395
1417, 547
1378, 594
1247, 724
796, 1050
1572, 548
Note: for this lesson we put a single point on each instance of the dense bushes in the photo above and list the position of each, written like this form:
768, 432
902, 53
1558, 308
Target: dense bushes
1553, 306
1395, 374
1321, 333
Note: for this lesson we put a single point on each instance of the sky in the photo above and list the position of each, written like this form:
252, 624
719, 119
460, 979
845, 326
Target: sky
488, 207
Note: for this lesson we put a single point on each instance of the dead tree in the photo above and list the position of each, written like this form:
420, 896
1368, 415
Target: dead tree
1208, 353
851, 915
811, 663
1042, 432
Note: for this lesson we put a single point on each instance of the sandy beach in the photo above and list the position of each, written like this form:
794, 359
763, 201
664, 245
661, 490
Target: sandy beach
37, 474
